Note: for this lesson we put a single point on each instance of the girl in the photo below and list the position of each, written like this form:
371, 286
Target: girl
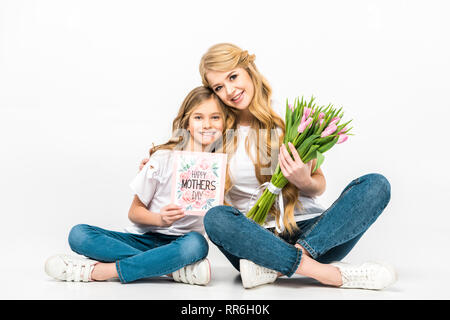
314, 238
162, 240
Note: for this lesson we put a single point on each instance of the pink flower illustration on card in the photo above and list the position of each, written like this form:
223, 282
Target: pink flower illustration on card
187, 197
199, 203
204, 164
209, 194
185, 175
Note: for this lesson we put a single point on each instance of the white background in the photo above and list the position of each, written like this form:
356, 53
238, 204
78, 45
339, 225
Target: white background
87, 86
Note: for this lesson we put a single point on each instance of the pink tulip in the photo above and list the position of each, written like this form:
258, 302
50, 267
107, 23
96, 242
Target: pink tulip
342, 138
304, 125
321, 115
342, 130
329, 130
335, 120
291, 107
306, 112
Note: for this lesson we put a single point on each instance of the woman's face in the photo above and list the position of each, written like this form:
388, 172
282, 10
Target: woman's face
235, 88
206, 124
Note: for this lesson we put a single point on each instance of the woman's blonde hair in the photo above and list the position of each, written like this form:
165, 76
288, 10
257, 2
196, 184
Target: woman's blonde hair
224, 57
180, 135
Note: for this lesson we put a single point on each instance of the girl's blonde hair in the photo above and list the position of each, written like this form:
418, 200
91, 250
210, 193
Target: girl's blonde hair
224, 57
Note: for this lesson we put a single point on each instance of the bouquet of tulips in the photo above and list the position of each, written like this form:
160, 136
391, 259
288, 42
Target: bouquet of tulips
312, 130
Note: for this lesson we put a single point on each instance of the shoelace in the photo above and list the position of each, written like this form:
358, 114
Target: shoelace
263, 272
357, 276
77, 271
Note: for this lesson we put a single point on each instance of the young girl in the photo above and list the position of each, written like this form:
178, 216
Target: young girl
314, 238
162, 240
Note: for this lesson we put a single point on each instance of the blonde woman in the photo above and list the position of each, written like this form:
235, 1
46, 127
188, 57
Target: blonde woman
314, 239
161, 240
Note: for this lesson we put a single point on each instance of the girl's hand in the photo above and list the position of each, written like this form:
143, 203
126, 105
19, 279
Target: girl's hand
294, 170
169, 214
143, 162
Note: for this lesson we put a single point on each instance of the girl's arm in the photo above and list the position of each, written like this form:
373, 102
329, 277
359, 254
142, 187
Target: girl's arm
143, 162
139, 214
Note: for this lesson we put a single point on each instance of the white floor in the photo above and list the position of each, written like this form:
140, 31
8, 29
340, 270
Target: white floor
28, 281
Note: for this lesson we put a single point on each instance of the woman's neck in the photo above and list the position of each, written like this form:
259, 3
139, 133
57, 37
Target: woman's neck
245, 117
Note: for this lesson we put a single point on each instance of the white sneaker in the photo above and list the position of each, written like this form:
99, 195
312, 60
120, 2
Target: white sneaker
368, 275
196, 273
69, 268
253, 275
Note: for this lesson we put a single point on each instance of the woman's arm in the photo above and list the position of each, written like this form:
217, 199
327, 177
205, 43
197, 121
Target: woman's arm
316, 185
300, 174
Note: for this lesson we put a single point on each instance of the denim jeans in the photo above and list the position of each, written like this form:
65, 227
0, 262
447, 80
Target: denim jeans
328, 237
138, 256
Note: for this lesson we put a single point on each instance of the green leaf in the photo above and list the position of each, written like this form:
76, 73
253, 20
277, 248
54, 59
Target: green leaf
311, 153
288, 117
342, 126
320, 158
311, 101
325, 140
304, 147
329, 145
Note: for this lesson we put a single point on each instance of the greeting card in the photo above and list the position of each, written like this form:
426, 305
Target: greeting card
198, 180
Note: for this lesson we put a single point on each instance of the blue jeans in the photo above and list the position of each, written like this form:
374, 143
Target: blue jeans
328, 237
138, 256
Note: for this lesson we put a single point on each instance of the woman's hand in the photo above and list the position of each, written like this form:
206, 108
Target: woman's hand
143, 162
294, 170
169, 214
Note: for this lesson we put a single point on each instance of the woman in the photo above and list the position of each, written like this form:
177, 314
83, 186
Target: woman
314, 239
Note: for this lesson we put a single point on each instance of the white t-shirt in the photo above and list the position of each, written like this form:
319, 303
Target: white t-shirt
152, 185
244, 194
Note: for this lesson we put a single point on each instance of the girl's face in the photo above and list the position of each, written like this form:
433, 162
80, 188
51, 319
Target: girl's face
206, 124
235, 88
